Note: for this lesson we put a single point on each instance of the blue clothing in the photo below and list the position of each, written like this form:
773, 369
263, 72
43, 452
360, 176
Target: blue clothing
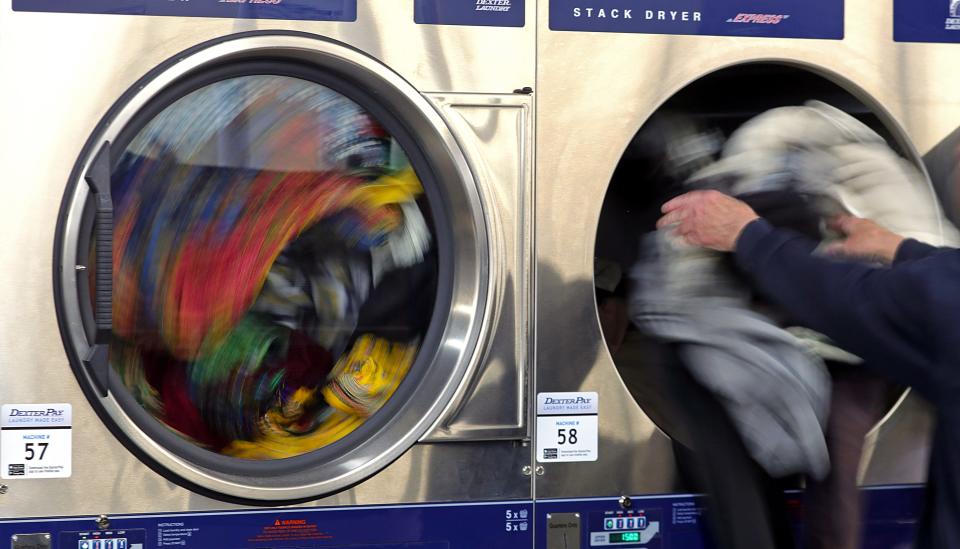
904, 320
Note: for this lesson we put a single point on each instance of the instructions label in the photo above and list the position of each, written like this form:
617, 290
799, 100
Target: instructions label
758, 18
483, 13
567, 428
35, 441
297, 10
926, 20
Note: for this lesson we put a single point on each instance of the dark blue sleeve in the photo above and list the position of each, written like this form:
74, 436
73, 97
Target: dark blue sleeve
911, 249
877, 313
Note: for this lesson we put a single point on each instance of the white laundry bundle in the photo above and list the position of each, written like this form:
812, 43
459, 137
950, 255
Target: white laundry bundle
817, 149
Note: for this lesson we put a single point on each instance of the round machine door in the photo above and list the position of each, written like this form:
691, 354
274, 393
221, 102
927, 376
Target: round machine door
651, 293
271, 268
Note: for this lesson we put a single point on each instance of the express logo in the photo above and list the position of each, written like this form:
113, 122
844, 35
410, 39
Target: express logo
762, 18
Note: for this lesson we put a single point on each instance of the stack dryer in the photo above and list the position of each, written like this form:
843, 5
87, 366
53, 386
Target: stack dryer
605, 69
172, 156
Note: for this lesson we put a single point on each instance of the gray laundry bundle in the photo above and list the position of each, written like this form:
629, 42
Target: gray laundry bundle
775, 390
774, 385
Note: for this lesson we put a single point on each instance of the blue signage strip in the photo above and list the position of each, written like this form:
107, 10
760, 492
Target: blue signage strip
483, 13
758, 18
926, 21
305, 10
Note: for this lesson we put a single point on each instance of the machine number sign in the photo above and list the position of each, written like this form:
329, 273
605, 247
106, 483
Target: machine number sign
35, 441
567, 427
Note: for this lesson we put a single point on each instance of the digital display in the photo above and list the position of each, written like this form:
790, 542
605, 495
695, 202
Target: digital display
625, 537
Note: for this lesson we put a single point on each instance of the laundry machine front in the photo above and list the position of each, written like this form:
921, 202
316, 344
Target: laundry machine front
289, 260
608, 74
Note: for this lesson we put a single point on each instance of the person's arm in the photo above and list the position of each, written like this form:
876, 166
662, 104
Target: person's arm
893, 317
877, 313
911, 249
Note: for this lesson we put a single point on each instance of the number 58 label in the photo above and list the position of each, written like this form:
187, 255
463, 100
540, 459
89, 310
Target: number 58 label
567, 427
35, 441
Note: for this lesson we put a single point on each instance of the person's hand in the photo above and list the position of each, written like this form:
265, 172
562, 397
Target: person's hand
864, 239
708, 219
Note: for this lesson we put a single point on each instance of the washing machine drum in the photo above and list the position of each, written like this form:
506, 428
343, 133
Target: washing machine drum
257, 271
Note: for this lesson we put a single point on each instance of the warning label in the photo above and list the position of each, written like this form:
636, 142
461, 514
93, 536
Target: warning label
290, 530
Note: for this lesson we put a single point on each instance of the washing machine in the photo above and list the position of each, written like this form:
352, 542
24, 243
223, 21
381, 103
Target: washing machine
270, 263
607, 72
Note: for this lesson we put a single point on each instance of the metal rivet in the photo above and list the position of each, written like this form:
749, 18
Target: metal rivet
540, 470
46, 536
14, 538
625, 502
103, 522
526, 470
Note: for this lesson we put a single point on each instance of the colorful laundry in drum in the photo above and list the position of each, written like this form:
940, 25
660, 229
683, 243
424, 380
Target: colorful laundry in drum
254, 218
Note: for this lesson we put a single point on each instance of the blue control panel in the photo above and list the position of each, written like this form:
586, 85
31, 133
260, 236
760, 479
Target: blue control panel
680, 521
475, 525
648, 522
104, 539
625, 528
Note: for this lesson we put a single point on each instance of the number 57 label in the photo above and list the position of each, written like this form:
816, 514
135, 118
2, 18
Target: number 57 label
567, 427
35, 441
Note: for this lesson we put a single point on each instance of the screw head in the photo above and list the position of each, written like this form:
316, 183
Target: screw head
14, 538
526, 470
626, 502
540, 470
3, 489
103, 522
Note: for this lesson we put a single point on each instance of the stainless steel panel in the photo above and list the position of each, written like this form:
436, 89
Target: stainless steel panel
61, 72
471, 257
594, 91
427, 472
495, 131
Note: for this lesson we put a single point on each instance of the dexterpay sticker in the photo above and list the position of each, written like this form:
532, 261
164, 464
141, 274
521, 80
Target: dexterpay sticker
567, 428
35, 441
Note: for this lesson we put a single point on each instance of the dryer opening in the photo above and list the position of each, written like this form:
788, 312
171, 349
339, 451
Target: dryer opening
687, 134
